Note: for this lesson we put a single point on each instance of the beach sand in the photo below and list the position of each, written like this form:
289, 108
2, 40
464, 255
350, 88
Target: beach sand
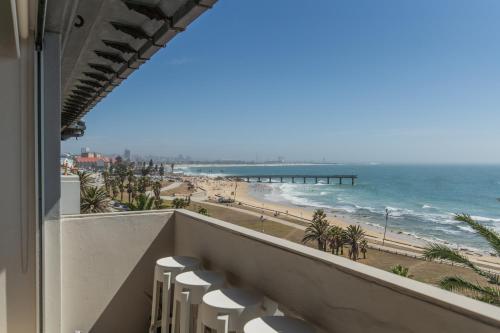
420, 270
213, 188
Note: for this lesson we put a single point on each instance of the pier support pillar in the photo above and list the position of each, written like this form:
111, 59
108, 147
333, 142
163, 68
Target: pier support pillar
352, 181
258, 179
316, 180
281, 179
270, 179
328, 180
248, 179
293, 179
304, 180
340, 181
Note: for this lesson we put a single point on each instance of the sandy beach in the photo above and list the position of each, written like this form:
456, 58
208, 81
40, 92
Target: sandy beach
210, 189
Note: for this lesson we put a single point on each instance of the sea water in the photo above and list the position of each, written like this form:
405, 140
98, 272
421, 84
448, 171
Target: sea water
421, 199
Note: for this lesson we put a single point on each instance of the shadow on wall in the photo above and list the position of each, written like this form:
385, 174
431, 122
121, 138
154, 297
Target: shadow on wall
17, 204
129, 309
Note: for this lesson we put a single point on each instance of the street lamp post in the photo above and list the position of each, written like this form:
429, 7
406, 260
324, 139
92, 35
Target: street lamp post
235, 188
387, 213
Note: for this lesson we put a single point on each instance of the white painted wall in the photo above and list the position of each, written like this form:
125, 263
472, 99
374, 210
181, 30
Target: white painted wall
332, 292
21, 288
17, 199
107, 263
70, 195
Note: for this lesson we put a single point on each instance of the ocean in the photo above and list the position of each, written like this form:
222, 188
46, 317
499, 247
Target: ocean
422, 199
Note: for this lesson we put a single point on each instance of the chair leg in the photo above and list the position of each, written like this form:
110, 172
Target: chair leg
185, 315
223, 323
165, 308
155, 302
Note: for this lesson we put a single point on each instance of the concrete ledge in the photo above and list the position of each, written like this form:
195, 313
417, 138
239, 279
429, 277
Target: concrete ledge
117, 214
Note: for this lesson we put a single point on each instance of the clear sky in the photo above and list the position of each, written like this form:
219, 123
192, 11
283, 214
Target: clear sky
348, 81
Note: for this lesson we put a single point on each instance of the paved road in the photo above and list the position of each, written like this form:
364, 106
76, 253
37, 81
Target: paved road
166, 188
249, 212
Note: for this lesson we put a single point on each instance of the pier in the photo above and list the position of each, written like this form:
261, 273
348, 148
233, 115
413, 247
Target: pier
293, 178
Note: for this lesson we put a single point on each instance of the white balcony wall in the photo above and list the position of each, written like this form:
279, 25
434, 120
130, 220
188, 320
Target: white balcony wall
107, 263
70, 195
333, 292
108, 260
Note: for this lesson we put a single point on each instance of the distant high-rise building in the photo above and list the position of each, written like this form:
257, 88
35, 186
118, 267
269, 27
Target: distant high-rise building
85, 152
126, 154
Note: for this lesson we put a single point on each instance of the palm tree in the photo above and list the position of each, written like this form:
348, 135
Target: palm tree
114, 187
157, 192
94, 200
355, 235
162, 171
317, 230
142, 202
335, 238
134, 191
107, 181
130, 189
490, 294
130, 176
400, 270
121, 187
86, 180
343, 240
363, 247
143, 184
121, 172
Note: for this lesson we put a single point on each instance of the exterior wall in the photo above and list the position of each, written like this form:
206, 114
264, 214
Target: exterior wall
107, 264
50, 137
70, 195
21, 290
51, 124
17, 199
332, 292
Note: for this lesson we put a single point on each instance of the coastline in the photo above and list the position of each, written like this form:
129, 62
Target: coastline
214, 188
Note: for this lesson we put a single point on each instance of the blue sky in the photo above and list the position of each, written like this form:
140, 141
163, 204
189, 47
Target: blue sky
348, 81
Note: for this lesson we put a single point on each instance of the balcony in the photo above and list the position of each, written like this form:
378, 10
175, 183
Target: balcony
99, 273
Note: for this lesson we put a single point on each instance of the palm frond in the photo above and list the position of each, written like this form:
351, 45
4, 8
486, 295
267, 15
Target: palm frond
142, 202
309, 237
94, 200
438, 251
492, 237
86, 180
458, 284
